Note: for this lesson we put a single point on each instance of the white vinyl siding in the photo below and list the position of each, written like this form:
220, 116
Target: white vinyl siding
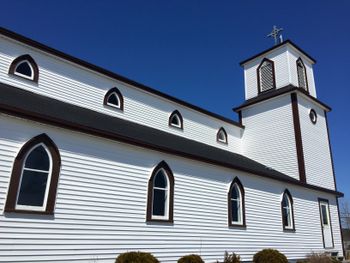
269, 135
101, 206
318, 164
73, 84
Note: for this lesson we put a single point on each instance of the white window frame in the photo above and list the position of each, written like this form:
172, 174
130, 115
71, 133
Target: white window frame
289, 210
29, 207
111, 104
240, 202
178, 120
167, 200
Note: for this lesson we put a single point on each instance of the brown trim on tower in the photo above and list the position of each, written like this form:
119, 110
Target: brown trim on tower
229, 207
177, 113
162, 165
341, 232
330, 222
298, 138
286, 192
273, 75
31, 61
85, 64
120, 96
17, 173
240, 117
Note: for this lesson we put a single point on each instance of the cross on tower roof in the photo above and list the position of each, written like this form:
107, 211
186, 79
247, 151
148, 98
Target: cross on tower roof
276, 34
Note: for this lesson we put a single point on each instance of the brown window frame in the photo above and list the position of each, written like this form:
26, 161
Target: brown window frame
306, 80
14, 186
286, 192
176, 112
120, 96
273, 75
31, 61
162, 165
241, 188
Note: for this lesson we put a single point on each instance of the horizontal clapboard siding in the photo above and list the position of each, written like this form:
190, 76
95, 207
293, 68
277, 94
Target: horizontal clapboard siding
70, 83
101, 206
317, 155
269, 135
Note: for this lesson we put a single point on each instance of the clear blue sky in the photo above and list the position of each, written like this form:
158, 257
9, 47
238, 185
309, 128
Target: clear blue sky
191, 49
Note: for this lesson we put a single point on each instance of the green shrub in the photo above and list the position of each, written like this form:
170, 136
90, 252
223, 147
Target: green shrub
269, 256
231, 258
190, 259
136, 257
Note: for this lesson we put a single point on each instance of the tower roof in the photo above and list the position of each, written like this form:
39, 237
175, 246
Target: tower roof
284, 43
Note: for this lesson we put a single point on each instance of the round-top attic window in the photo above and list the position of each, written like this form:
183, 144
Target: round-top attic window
313, 116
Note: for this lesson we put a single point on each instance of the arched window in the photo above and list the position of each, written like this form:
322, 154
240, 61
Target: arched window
236, 205
266, 75
25, 67
221, 136
302, 78
160, 201
34, 177
114, 98
175, 120
287, 211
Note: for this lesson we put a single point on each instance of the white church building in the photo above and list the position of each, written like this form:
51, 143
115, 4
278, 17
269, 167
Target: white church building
93, 164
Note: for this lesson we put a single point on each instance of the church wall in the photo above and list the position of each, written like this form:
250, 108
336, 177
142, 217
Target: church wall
269, 135
318, 163
73, 84
101, 206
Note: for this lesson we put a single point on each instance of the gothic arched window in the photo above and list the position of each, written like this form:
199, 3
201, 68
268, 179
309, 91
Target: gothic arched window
160, 201
221, 136
24, 66
114, 98
34, 177
175, 120
302, 78
236, 205
266, 75
287, 211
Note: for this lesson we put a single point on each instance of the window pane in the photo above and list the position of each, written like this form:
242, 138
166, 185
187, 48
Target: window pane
285, 202
235, 211
38, 159
33, 186
324, 214
175, 120
222, 136
159, 202
113, 99
301, 76
24, 69
235, 192
160, 180
266, 76
286, 217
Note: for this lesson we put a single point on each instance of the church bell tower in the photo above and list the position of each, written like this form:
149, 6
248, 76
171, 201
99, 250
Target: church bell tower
285, 124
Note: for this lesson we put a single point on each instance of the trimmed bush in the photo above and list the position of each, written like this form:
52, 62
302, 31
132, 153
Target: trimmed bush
136, 257
269, 256
231, 258
190, 259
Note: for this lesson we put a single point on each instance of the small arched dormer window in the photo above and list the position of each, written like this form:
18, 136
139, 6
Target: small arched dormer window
266, 75
236, 204
287, 211
34, 177
25, 67
160, 201
221, 136
302, 77
175, 120
114, 98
